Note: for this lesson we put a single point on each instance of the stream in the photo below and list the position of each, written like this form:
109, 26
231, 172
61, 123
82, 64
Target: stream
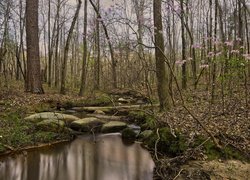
105, 157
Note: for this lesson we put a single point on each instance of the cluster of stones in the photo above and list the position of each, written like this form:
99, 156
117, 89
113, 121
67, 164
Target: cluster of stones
52, 121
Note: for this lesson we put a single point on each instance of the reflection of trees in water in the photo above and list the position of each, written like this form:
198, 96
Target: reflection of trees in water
14, 168
107, 159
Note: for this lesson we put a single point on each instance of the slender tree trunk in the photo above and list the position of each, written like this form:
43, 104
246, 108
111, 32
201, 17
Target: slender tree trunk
114, 62
97, 48
214, 68
66, 49
85, 50
57, 37
184, 73
49, 46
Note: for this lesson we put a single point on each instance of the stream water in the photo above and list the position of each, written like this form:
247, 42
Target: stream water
105, 157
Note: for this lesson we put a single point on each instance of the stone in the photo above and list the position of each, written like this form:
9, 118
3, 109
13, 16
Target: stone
128, 133
145, 134
87, 124
135, 128
50, 125
122, 100
99, 112
140, 101
69, 111
113, 126
51, 116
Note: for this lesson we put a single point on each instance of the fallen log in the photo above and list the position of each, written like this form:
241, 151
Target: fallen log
110, 108
106, 117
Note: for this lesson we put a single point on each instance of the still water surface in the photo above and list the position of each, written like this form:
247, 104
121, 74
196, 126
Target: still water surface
83, 159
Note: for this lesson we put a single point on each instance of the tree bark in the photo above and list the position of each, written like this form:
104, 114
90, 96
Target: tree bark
161, 72
84, 63
184, 71
33, 80
97, 50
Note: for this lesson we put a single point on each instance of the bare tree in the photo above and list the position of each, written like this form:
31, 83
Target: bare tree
66, 49
114, 83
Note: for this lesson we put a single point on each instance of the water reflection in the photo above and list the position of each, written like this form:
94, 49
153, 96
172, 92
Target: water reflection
107, 159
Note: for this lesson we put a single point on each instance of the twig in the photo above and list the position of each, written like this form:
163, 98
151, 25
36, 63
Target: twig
156, 143
179, 173
8, 147
202, 143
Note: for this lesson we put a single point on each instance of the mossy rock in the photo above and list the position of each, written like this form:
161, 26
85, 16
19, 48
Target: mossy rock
146, 121
145, 134
129, 133
113, 126
87, 124
137, 115
52, 116
167, 142
50, 125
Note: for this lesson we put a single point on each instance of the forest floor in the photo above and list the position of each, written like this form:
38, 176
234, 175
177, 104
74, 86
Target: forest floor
230, 125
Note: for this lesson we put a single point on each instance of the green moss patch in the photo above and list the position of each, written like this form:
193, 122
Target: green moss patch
212, 152
17, 133
144, 120
2, 148
45, 137
167, 142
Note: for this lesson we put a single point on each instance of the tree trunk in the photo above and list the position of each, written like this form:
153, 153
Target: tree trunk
114, 83
184, 73
214, 68
33, 80
66, 49
84, 63
161, 72
97, 50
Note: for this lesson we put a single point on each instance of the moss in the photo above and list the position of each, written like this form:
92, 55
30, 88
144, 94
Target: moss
44, 137
51, 125
95, 100
43, 107
2, 148
102, 100
212, 152
167, 143
142, 119
145, 134
150, 122
16, 132
137, 115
